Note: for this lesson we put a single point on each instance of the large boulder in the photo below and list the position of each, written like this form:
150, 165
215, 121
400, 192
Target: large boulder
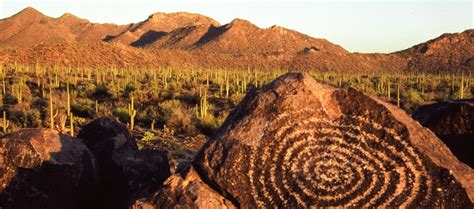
126, 173
452, 122
184, 190
296, 143
40, 168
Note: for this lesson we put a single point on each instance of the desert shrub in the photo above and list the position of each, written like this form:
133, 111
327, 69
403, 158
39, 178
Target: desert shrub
147, 115
122, 114
39, 103
129, 89
23, 118
149, 136
441, 96
83, 111
101, 92
209, 125
235, 99
86, 90
177, 116
413, 100
9, 99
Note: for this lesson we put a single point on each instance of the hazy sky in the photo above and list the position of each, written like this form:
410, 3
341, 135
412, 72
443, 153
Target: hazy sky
358, 26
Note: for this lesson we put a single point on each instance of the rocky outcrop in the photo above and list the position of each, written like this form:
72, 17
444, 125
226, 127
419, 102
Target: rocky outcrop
159, 23
296, 143
126, 173
452, 122
448, 52
184, 190
30, 27
40, 168
242, 37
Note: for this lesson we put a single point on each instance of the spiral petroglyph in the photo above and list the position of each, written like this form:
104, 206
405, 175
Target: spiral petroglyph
318, 162
298, 144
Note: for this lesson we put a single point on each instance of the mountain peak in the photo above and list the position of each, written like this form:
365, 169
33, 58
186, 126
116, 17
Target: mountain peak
162, 16
68, 17
241, 22
29, 12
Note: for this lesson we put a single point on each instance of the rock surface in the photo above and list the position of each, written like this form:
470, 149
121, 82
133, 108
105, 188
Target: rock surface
125, 172
452, 122
297, 143
185, 190
40, 168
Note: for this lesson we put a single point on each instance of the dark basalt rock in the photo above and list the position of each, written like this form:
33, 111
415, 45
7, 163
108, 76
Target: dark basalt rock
125, 172
40, 168
452, 122
184, 190
296, 143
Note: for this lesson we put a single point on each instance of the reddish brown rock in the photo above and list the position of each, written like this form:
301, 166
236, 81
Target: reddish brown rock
296, 143
40, 168
452, 122
185, 190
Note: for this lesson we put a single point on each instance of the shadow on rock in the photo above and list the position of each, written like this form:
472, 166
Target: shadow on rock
452, 122
126, 173
40, 168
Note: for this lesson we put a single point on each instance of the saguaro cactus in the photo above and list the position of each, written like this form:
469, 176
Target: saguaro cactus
227, 87
68, 106
398, 91
132, 112
71, 123
388, 89
463, 87
96, 107
51, 109
5, 122
201, 109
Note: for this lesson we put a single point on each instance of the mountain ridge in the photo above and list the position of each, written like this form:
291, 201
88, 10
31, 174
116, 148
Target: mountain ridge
184, 39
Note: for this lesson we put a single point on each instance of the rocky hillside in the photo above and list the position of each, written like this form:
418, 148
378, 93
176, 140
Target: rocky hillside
30, 27
242, 37
157, 25
449, 51
192, 40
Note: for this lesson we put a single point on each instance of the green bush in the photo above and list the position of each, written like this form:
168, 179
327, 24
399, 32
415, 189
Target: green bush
177, 116
83, 111
24, 119
122, 114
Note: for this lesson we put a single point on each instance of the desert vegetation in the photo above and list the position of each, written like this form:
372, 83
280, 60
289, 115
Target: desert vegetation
186, 102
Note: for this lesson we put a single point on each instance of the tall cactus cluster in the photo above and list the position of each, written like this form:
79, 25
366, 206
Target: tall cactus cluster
202, 108
33, 96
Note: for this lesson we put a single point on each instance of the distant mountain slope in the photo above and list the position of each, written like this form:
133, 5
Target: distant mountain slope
192, 40
453, 51
241, 37
94, 54
160, 23
30, 27
181, 38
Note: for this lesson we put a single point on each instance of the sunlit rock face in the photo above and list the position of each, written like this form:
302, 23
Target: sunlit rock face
297, 143
184, 190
